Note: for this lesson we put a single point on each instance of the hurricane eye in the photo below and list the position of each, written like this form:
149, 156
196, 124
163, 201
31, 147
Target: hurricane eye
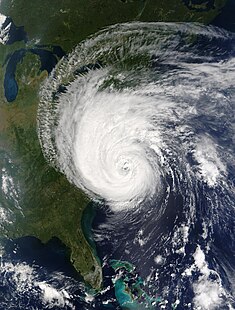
125, 167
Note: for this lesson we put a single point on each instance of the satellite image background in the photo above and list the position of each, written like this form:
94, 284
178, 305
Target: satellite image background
117, 171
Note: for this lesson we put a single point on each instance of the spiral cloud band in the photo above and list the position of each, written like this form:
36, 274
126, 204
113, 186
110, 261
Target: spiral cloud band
117, 115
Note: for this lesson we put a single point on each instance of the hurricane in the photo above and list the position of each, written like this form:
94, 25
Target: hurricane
140, 116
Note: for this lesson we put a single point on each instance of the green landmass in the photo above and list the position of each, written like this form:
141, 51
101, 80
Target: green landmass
43, 203
47, 204
66, 23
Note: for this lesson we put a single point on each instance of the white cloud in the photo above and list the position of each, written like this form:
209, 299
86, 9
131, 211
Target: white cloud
4, 32
25, 281
208, 289
211, 167
53, 296
2, 19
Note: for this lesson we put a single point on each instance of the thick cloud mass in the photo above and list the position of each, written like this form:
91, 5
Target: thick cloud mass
116, 117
